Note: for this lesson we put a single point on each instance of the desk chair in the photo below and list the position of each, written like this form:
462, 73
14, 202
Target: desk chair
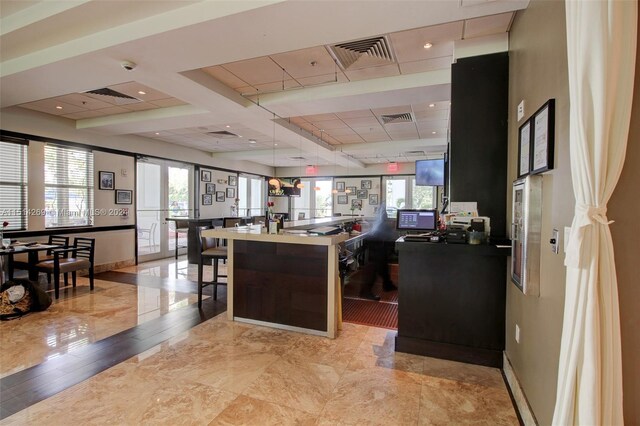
182, 227
82, 254
301, 215
24, 264
210, 252
257, 219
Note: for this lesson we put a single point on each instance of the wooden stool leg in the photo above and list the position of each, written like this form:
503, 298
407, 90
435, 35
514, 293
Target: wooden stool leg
215, 279
200, 260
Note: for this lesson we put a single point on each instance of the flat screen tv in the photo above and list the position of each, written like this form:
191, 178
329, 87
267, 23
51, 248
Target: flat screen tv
417, 220
430, 172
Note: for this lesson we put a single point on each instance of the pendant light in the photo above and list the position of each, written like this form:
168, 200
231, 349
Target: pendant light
274, 181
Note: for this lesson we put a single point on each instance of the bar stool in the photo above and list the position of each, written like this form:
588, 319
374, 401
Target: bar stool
182, 227
210, 252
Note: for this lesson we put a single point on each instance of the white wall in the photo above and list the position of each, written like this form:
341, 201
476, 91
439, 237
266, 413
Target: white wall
221, 181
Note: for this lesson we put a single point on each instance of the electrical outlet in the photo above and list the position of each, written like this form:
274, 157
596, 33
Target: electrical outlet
520, 110
517, 333
554, 241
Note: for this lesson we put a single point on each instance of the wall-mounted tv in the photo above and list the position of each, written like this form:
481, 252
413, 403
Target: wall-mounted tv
430, 172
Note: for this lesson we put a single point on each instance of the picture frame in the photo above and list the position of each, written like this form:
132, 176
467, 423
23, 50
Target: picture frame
124, 196
356, 204
362, 194
543, 138
340, 186
233, 180
210, 188
365, 184
524, 148
352, 190
205, 175
207, 199
106, 180
219, 196
231, 193
373, 199
343, 199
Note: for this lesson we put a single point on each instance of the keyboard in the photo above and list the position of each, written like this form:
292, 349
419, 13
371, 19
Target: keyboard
418, 237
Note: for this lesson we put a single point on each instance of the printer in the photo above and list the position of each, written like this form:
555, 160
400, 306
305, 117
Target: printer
471, 223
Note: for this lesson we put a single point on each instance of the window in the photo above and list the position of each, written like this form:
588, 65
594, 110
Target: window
13, 184
68, 186
316, 199
251, 195
403, 193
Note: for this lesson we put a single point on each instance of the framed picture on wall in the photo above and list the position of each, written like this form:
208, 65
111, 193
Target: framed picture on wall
205, 175
524, 149
543, 123
231, 193
356, 204
219, 196
365, 184
373, 199
343, 199
124, 196
362, 194
210, 188
352, 190
340, 186
207, 199
233, 180
106, 180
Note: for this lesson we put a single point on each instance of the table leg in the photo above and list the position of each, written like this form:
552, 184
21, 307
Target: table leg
33, 260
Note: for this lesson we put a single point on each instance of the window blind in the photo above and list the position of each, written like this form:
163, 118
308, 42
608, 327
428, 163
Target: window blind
68, 186
13, 185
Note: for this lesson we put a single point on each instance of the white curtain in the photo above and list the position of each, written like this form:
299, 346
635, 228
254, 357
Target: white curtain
601, 49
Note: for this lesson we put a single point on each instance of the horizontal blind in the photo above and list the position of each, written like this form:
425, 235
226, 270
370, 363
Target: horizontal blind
68, 186
13, 185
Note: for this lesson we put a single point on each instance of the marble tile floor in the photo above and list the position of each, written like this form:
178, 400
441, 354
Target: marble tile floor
222, 372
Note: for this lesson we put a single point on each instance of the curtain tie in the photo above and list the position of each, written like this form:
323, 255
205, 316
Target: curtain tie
585, 215
589, 215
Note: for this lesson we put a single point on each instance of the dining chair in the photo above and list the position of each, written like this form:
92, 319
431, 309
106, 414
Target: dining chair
210, 252
76, 258
148, 235
182, 227
58, 240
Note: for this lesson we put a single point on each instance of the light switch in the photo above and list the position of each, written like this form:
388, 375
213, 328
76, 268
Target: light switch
554, 241
520, 110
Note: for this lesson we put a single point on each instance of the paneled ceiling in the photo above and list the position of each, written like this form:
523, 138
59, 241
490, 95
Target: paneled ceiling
273, 82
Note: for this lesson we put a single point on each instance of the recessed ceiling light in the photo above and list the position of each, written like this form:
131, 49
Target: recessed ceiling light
227, 126
275, 144
58, 107
433, 133
252, 141
239, 136
140, 92
157, 133
428, 45
432, 105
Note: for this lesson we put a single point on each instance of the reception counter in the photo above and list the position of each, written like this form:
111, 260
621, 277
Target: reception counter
288, 281
451, 302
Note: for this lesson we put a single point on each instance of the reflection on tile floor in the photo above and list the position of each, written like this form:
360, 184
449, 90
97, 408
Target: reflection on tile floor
229, 373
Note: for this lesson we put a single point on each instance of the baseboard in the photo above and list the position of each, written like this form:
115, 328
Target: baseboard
526, 414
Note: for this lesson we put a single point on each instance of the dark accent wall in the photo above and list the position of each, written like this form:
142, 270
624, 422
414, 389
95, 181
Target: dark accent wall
479, 99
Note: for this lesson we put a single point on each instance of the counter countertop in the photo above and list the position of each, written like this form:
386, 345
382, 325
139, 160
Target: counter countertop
255, 233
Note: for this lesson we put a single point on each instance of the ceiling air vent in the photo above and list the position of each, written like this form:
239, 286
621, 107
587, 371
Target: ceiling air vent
415, 154
111, 96
370, 52
397, 118
297, 158
223, 134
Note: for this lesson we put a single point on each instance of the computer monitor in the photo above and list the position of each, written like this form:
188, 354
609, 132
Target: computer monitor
430, 172
417, 220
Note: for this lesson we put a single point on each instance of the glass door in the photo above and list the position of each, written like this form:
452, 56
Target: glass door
163, 191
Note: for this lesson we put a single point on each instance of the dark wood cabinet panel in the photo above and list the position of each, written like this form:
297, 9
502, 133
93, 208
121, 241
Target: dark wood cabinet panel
281, 283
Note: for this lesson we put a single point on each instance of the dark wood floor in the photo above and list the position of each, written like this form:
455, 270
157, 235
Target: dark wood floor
25, 388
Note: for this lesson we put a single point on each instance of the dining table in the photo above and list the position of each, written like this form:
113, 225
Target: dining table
31, 249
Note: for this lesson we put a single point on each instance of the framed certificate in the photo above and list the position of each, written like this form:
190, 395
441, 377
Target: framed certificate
524, 149
543, 122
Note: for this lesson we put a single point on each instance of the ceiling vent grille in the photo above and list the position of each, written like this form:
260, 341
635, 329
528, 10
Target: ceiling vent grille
297, 158
405, 117
370, 52
415, 154
223, 134
111, 96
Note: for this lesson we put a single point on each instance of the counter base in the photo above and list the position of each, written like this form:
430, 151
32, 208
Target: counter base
479, 356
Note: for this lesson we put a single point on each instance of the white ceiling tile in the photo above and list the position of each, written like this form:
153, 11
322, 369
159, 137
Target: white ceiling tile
169, 102
225, 77
433, 125
392, 110
257, 71
341, 132
373, 72
361, 122
323, 79
319, 117
443, 62
399, 127
83, 101
49, 106
487, 25
434, 114
349, 139
375, 128
409, 45
133, 87
142, 106
276, 86
82, 114
355, 114
375, 137
327, 125
298, 62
